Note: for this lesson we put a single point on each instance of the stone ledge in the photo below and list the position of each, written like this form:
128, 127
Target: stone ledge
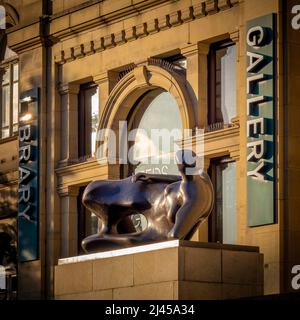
157, 246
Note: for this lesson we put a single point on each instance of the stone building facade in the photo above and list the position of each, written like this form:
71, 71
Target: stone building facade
97, 62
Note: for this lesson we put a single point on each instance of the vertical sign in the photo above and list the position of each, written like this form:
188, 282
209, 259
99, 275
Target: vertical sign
260, 106
28, 216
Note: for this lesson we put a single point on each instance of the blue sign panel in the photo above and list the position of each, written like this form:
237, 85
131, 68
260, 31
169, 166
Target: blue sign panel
260, 121
28, 215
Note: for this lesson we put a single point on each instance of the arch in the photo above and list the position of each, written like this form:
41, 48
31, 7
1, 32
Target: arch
135, 84
12, 16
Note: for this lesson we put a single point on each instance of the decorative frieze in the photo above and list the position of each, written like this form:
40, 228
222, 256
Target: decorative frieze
120, 37
175, 18
224, 4
146, 28
164, 23
234, 2
141, 30
78, 51
211, 6
152, 26
199, 11
187, 15
89, 48
131, 34
98, 45
109, 41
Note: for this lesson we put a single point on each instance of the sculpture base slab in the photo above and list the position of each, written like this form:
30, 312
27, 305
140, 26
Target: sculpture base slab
170, 270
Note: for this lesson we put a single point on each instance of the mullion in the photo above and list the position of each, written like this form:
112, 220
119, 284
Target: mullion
11, 93
1, 100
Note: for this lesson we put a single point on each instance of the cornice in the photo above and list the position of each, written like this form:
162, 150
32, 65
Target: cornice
79, 167
135, 32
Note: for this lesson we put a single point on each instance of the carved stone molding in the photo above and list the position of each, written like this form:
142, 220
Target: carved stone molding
234, 35
144, 29
200, 48
68, 191
69, 88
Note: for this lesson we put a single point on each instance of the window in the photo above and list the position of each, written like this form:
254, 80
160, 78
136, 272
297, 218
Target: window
222, 82
222, 221
157, 123
153, 150
88, 117
9, 99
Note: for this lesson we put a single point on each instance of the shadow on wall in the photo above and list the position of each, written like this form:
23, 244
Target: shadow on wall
8, 203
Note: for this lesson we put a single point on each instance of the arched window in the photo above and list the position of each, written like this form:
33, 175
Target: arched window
155, 125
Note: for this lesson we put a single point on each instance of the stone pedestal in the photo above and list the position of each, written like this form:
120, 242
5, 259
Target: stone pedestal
171, 270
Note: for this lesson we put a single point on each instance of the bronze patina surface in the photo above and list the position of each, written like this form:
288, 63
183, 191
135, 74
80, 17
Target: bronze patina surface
173, 206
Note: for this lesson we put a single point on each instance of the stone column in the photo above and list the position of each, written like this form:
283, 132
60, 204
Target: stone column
69, 122
69, 221
196, 55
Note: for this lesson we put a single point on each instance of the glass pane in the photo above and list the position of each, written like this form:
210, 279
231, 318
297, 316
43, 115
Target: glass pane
229, 203
228, 84
9, 53
95, 118
15, 102
16, 72
154, 142
91, 223
5, 78
5, 133
5, 106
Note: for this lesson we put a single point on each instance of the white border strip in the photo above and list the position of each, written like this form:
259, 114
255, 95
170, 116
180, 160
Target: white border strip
120, 252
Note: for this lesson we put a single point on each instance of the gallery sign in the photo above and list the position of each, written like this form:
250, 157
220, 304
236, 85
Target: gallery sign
260, 110
28, 215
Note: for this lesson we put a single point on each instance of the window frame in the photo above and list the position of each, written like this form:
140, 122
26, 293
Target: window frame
212, 79
215, 221
4, 65
85, 121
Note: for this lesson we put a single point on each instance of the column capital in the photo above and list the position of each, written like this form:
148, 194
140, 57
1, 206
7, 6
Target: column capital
69, 88
234, 35
235, 155
197, 48
101, 77
203, 48
68, 191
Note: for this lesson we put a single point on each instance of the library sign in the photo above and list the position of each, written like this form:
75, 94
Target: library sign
28, 215
260, 121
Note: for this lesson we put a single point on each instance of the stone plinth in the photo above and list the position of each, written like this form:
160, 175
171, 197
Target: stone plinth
171, 270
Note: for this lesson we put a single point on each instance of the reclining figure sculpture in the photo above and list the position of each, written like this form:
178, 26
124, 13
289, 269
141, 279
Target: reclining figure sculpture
174, 206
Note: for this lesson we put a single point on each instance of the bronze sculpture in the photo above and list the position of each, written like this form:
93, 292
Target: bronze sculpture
173, 205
